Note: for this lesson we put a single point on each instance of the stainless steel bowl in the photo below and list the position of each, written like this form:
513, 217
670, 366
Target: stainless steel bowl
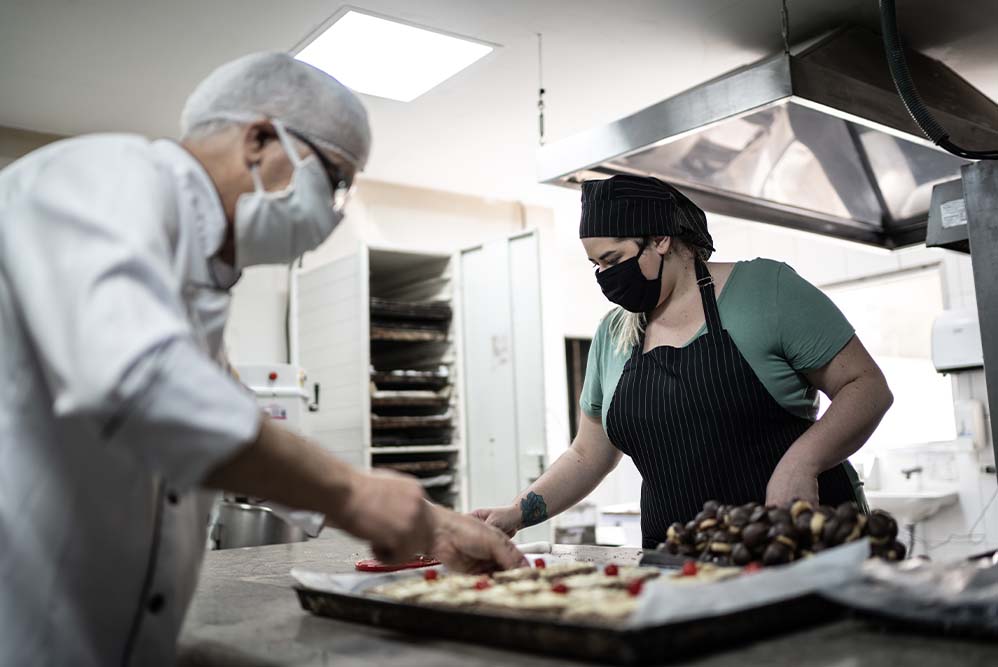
245, 525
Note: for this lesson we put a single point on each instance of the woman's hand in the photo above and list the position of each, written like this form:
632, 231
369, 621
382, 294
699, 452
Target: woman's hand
508, 519
789, 483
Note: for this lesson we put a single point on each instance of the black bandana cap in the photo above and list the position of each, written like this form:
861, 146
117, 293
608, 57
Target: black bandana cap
640, 206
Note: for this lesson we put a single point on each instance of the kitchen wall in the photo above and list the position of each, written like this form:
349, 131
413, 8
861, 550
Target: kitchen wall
15, 142
971, 525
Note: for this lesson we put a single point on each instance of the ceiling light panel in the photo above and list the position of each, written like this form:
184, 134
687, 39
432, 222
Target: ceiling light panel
376, 56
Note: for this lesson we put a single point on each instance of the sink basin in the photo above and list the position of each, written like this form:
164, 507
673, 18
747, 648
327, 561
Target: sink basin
911, 506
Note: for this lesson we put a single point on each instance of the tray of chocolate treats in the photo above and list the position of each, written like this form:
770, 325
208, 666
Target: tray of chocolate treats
714, 584
740, 535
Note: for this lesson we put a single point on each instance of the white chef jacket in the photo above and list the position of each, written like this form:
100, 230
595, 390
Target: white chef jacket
111, 408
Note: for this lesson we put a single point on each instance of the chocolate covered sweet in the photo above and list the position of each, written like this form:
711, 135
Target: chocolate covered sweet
780, 515
754, 535
741, 555
777, 554
798, 507
785, 534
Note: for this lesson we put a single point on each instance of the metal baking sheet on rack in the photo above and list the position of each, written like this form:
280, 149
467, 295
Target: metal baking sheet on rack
422, 467
402, 380
426, 310
440, 402
385, 334
379, 423
391, 439
672, 622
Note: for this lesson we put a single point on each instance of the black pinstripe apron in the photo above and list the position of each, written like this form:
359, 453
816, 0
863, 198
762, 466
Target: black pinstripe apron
700, 426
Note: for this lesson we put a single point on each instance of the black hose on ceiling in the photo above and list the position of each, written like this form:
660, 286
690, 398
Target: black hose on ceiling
909, 94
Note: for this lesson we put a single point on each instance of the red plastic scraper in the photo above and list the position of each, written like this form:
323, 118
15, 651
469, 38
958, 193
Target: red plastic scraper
375, 565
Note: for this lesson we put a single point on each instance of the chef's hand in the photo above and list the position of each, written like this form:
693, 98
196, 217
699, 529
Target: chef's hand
465, 544
508, 519
792, 483
389, 511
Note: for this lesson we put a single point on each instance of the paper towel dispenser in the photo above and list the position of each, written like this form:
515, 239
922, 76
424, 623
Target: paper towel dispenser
956, 341
947, 226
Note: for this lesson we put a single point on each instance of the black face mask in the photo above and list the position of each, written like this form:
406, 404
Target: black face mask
626, 286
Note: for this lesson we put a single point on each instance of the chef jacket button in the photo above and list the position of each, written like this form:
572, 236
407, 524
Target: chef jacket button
155, 603
172, 498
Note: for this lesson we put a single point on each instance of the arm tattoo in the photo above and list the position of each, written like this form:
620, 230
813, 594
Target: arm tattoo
533, 509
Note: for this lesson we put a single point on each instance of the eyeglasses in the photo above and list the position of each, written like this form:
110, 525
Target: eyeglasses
339, 184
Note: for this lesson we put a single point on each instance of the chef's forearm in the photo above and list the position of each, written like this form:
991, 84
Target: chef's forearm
571, 478
850, 420
567, 481
282, 466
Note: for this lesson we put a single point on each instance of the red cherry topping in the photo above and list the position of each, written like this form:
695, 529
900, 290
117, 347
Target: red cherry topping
539, 563
431, 575
634, 588
611, 570
482, 584
559, 588
689, 568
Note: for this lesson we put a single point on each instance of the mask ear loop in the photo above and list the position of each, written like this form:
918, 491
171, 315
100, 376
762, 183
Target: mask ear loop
282, 136
286, 143
661, 265
255, 175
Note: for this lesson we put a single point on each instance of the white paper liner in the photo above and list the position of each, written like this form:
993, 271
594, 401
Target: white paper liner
663, 602
951, 596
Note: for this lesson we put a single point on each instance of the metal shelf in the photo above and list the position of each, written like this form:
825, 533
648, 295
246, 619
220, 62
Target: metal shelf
417, 449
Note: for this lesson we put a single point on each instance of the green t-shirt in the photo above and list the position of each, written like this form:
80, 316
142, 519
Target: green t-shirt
782, 325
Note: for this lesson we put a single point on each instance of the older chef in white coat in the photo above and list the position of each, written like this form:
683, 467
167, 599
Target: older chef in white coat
116, 256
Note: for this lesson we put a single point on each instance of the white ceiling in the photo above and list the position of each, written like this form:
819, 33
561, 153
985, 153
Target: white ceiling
72, 66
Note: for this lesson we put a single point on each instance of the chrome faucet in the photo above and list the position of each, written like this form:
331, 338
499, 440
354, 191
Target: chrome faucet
908, 472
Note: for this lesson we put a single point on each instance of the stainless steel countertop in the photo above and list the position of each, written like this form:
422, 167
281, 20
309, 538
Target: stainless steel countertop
244, 614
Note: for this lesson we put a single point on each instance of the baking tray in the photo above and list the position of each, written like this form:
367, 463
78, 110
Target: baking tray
401, 335
441, 402
424, 467
595, 643
432, 438
402, 380
426, 310
379, 423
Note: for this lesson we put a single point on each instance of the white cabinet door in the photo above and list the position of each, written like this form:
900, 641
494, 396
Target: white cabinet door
333, 339
503, 371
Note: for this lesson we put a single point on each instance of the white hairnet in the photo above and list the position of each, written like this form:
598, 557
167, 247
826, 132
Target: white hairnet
275, 85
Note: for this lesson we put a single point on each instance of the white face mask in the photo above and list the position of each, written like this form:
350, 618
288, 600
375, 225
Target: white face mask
277, 227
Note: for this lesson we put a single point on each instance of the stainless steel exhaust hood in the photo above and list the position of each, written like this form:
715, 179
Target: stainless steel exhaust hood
816, 140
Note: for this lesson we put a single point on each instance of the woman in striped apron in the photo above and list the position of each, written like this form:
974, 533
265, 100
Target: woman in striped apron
706, 375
